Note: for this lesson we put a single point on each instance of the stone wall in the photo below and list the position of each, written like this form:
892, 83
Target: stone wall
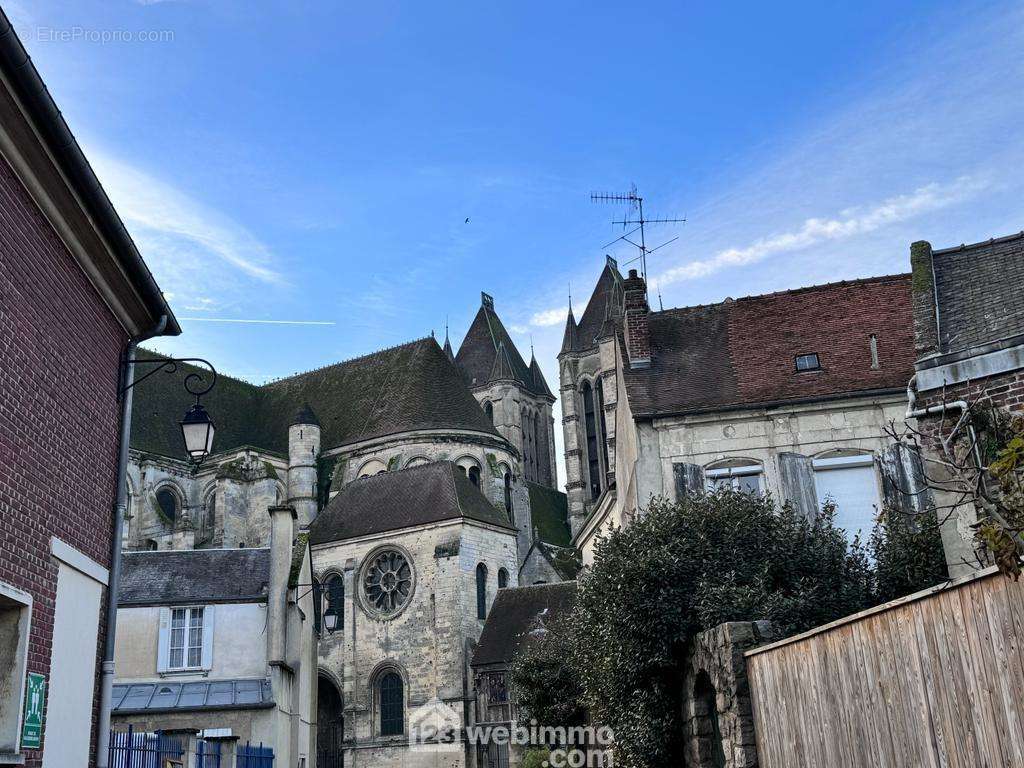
428, 642
718, 723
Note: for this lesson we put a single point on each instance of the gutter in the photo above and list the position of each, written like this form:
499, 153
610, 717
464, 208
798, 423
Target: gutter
120, 508
31, 91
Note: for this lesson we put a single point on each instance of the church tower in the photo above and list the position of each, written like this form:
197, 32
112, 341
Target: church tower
513, 393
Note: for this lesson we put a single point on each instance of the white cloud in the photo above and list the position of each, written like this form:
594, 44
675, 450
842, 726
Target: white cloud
849, 223
151, 207
549, 317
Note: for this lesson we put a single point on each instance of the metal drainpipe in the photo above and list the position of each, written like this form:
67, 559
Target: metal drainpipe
114, 583
956, 405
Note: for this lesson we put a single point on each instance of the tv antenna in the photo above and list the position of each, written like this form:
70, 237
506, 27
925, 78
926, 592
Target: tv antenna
634, 217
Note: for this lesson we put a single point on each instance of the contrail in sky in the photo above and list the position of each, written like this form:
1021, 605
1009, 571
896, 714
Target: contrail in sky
260, 322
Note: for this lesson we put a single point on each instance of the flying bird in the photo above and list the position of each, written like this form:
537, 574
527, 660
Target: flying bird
467, 220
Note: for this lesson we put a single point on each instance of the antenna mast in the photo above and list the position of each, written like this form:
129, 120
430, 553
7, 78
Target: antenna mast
635, 216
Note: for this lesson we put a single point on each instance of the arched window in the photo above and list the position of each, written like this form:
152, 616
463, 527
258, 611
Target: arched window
502, 578
739, 474
151, 545
481, 591
599, 389
538, 447
392, 705
335, 589
489, 410
372, 467
508, 495
590, 425
210, 512
524, 423
474, 476
167, 500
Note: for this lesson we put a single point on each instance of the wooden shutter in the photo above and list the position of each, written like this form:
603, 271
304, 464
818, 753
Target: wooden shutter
207, 662
796, 474
688, 479
163, 641
904, 486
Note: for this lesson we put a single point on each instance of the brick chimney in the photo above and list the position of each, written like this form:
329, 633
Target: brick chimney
282, 533
636, 321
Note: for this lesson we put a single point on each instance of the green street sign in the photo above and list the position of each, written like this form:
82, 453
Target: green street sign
35, 705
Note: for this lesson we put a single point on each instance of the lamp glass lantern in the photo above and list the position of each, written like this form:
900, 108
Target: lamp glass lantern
197, 429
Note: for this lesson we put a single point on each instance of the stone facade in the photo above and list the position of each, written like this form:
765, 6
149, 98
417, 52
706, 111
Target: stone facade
718, 723
428, 643
677, 419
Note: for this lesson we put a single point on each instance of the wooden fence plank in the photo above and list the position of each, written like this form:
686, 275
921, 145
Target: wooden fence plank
935, 680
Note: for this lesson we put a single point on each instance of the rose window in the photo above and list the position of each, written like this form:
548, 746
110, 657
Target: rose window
388, 581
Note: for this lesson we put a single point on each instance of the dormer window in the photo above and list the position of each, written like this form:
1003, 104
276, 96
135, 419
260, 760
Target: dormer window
808, 362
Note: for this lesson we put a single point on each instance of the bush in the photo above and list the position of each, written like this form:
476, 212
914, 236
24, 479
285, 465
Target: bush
908, 555
547, 688
681, 568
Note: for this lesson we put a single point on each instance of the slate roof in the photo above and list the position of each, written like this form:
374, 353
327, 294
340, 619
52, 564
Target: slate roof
549, 509
978, 289
390, 501
487, 353
565, 561
149, 698
409, 387
598, 319
172, 577
741, 353
515, 613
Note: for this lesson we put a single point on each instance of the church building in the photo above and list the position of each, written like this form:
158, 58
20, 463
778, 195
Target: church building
426, 480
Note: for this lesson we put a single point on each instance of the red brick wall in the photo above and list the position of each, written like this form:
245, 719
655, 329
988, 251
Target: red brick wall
59, 415
1005, 390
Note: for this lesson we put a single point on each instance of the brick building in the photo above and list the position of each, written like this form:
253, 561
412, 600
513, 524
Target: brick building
74, 292
788, 393
969, 346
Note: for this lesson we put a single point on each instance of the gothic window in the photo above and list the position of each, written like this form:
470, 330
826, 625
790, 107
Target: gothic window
335, 588
502, 578
536, 448
474, 476
489, 410
508, 495
387, 582
590, 425
392, 705
527, 452
599, 389
167, 501
481, 591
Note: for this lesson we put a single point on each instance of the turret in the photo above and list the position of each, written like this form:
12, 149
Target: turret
303, 450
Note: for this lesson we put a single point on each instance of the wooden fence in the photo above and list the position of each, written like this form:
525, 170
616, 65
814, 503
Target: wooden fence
933, 679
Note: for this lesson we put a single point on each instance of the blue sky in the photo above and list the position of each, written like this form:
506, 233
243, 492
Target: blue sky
316, 162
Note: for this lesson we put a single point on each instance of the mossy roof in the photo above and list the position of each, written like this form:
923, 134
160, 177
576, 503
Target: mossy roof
550, 511
405, 388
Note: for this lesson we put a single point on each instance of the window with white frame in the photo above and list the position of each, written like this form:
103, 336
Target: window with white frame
186, 639
186, 646
738, 474
849, 481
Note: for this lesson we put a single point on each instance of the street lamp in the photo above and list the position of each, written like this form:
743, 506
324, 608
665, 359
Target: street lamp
197, 428
325, 615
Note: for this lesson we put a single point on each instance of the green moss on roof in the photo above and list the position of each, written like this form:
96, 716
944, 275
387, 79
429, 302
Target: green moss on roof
410, 387
550, 511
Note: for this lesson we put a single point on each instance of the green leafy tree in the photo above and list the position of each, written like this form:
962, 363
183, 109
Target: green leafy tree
907, 553
547, 688
684, 567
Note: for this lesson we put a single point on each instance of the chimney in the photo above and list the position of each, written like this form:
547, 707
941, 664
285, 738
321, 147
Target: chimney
927, 337
636, 314
282, 534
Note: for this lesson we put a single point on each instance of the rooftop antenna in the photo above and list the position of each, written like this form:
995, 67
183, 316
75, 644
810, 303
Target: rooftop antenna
635, 216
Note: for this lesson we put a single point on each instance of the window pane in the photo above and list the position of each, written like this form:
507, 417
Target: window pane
392, 720
748, 484
195, 638
855, 493
177, 658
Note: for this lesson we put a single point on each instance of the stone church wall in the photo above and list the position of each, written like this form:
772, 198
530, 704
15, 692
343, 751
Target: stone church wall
428, 642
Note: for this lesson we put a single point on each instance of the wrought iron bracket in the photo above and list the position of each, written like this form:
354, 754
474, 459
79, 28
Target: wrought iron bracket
194, 383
